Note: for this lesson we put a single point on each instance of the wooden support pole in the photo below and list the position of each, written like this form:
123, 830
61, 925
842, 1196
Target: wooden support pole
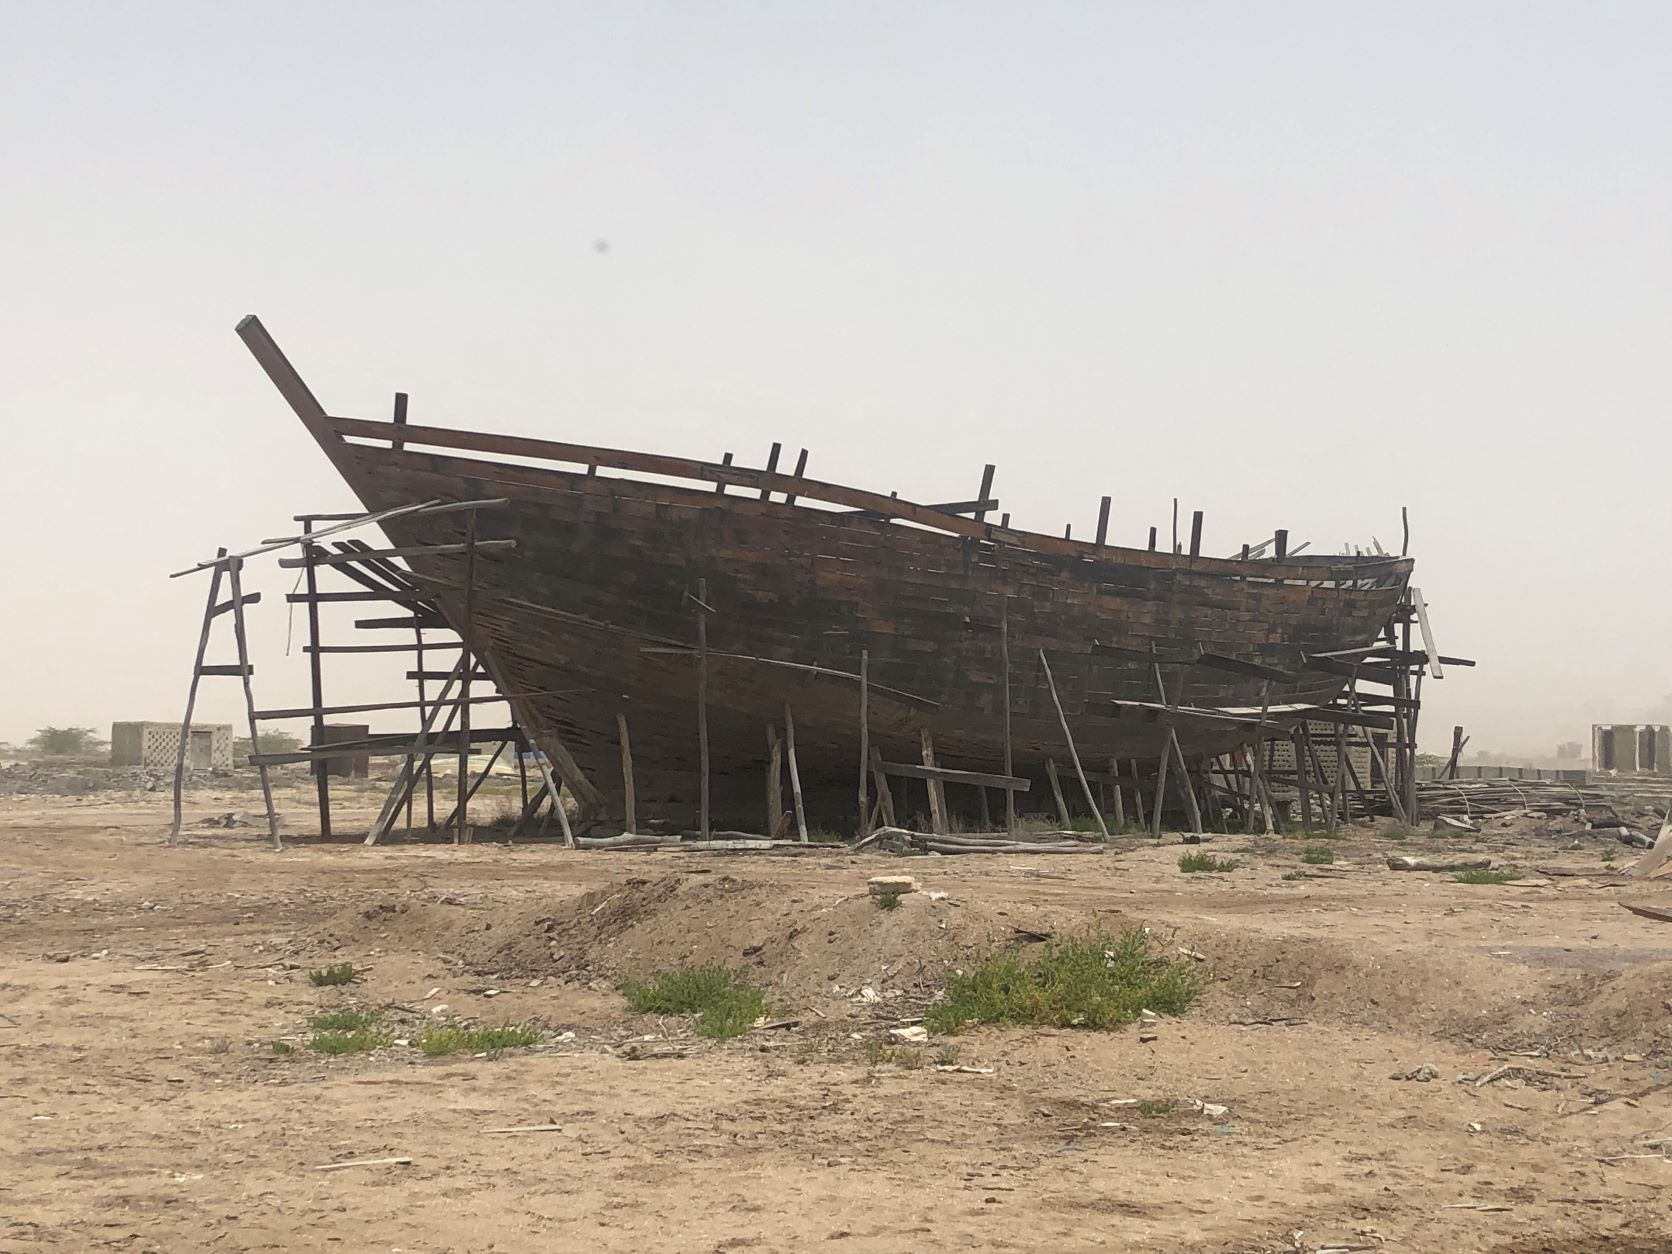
1303, 774
1120, 805
1064, 819
774, 780
1073, 753
1338, 798
1161, 785
404, 779
1137, 794
191, 695
1004, 662
1102, 522
795, 775
937, 790
1190, 806
399, 419
986, 487
1152, 539
702, 701
800, 469
1280, 546
983, 812
1175, 547
1327, 804
885, 794
631, 820
461, 826
322, 768
482, 775
234, 568
1196, 534
864, 743
771, 467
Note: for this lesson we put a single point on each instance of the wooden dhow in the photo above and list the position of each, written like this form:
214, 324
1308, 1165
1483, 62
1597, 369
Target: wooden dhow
720, 611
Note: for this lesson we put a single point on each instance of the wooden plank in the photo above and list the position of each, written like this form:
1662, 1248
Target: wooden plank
1063, 816
241, 670
795, 775
774, 780
630, 824
910, 770
383, 648
225, 607
702, 613
1421, 608
427, 621
404, 550
316, 689
937, 793
985, 491
1073, 752
1009, 762
191, 694
329, 598
234, 571
367, 707
864, 743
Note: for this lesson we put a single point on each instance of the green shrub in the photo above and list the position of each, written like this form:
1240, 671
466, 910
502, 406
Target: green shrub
725, 1005
1317, 855
1190, 863
435, 1042
1091, 981
354, 1042
1485, 877
342, 1021
340, 973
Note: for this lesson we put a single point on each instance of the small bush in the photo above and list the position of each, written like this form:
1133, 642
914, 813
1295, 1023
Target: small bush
1191, 863
355, 1042
1485, 877
724, 1004
887, 901
435, 1042
1156, 1108
1090, 981
879, 1052
1296, 875
281, 1047
343, 1021
340, 973
1317, 855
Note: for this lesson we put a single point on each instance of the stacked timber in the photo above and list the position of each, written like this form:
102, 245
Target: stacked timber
902, 840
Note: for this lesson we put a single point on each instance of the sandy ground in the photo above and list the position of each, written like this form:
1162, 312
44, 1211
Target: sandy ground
144, 1105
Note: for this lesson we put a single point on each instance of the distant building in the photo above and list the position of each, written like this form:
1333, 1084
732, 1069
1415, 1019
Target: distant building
1631, 748
155, 746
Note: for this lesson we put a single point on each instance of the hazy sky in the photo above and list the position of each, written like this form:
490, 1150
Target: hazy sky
1298, 264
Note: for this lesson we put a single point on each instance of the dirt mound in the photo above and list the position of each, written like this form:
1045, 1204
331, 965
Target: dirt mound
798, 945
1617, 1011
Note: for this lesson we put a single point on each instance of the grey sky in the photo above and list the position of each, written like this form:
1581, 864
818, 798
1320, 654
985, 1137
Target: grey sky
1296, 264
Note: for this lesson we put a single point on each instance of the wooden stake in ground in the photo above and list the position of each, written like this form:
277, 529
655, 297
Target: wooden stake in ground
795, 774
1064, 819
1114, 787
209, 612
1073, 753
461, 826
774, 780
1137, 793
234, 566
321, 767
864, 742
702, 703
630, 823
937, 790
1009, 765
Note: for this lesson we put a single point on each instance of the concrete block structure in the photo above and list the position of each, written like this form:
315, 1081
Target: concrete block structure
1631, 748
156, 745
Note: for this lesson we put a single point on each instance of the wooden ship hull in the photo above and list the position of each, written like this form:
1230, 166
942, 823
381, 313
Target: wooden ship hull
801, 586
